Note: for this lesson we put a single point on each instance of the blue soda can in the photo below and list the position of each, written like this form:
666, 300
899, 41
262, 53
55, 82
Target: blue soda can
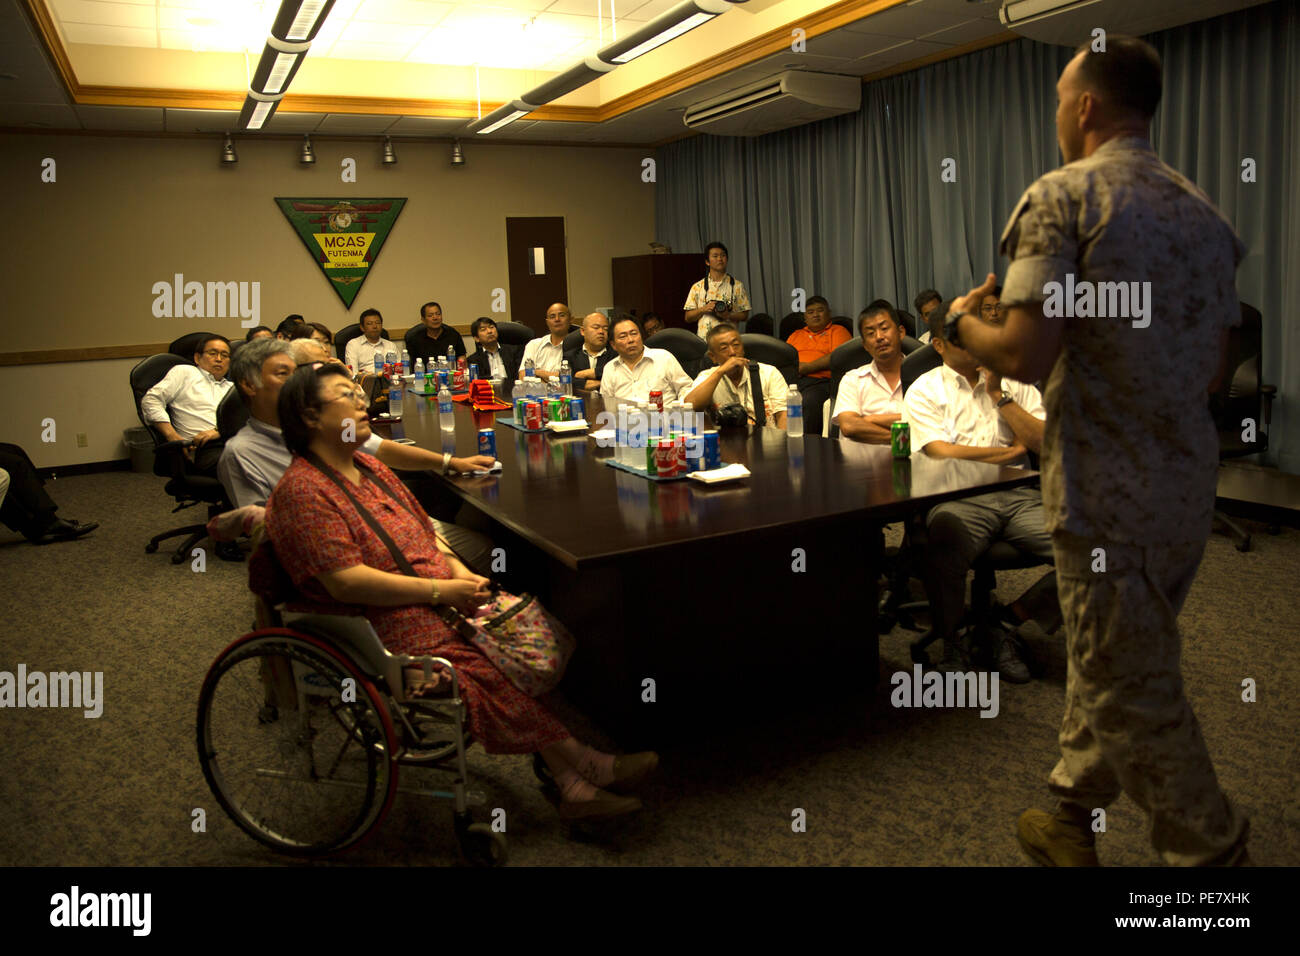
712, 453
487, 442
473, 371
577, 408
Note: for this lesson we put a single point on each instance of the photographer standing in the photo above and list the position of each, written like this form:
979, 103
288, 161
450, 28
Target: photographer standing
718, 297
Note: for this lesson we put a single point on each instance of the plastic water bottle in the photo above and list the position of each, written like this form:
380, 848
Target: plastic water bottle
451, 356
419, 375
446, 410
621, 436
794, 413
566, 378
530, 368
379, 364
406, 364
641, 432
395, 389
390, 359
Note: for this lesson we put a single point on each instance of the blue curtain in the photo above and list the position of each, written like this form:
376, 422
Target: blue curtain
857, 207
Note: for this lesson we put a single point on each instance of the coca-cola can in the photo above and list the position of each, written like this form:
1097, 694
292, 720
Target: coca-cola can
666, 459
533, 415
657, 400
683, 466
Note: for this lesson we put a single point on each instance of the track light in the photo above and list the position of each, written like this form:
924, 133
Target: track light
307, 157
228, 157
389, 158
457, 154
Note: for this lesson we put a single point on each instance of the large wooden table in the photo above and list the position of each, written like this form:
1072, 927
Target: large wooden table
700, 589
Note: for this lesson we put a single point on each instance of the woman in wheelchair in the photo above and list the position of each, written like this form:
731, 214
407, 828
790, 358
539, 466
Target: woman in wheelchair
338, 562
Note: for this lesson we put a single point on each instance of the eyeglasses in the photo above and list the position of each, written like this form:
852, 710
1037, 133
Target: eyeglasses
216, 353
356, 396
997, 307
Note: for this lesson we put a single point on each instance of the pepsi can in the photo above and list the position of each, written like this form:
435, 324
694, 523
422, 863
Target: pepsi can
487, 442
578, 409
473, 371
712, 451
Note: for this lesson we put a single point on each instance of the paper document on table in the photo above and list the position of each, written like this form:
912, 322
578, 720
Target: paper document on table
725, 473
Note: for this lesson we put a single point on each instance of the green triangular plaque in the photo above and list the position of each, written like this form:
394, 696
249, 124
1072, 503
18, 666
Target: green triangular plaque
344, 236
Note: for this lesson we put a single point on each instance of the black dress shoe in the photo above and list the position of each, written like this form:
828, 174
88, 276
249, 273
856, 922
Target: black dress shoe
63, 530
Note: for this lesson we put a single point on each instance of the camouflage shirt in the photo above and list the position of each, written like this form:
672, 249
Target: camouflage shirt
1145, 265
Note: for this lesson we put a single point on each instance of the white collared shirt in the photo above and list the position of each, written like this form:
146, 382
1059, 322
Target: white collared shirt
496, 364
727, 392
361, 354
657, 371
866, 391
942, 406
187, 397
544, 354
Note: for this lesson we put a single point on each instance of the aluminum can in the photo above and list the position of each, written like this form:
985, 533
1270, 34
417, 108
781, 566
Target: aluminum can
533, 415
712, 451
487, 442
577, 409
521, 410
657, 400
683, 466
473, 372
900, 439
651, 460
553, 410
666, 459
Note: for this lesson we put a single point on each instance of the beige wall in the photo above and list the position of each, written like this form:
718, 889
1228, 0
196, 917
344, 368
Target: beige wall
124, 213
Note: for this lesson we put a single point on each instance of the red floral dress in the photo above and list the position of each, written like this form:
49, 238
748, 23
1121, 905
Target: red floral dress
316, 530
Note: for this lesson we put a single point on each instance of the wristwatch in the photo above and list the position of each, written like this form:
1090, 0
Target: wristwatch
950, 326
1004, 400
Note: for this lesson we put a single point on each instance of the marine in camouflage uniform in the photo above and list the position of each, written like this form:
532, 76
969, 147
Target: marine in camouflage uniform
1130, 458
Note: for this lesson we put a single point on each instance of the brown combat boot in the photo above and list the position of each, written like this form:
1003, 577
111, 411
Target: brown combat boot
1059, 839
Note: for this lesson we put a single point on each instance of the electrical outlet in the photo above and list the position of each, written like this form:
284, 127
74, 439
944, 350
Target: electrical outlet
81, 439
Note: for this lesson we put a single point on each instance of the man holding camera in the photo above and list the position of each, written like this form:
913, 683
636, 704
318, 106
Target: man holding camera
718, 297
735, 379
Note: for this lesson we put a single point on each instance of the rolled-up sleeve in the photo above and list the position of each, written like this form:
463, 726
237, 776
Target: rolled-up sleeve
1040, 241
155, 401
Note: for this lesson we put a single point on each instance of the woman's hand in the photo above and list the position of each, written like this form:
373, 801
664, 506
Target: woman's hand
465, 594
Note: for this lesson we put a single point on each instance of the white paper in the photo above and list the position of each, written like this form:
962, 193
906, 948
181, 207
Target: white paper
725, 473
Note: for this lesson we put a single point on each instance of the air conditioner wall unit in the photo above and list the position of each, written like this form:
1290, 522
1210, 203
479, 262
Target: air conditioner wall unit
778, 102
1071, 22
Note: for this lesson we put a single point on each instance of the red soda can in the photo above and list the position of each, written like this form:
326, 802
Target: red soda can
657, 400
533, 415
666, 459
681, 455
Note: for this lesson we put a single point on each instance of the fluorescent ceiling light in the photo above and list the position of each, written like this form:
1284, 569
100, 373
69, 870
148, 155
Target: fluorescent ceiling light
505, 120
300, 19
578, 75
670, 34
257, 110
276, 69
283, 64
680, 19
260, 112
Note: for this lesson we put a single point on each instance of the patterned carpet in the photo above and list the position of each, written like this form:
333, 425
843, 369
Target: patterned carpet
879, 786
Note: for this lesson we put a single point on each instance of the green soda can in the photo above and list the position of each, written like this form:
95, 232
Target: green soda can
553, 410
651, 466
900, 439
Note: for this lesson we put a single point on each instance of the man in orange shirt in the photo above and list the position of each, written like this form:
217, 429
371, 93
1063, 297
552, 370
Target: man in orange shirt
815, 342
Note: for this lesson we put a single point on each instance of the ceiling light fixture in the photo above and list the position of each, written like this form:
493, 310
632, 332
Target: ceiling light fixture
457, 154
388, 157
501, 116
580, 74
228, 157
308, 156
300, 20
296, 23
680, 19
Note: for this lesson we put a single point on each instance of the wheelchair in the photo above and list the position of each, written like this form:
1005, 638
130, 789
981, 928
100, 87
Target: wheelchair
303, 726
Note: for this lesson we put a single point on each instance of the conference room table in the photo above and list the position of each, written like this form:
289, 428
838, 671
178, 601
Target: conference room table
690, 601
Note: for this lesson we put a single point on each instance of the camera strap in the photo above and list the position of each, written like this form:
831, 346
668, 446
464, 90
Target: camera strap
756, 386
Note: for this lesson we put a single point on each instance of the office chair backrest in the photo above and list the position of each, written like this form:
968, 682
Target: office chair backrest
188, 344
918, 363
909, 323
147, 373
1240, 394
685, 346
512, 333
790, 324
909, 345
232, 414
782, 355
844, 322
760, 323
572, 341
844, 359
350, 332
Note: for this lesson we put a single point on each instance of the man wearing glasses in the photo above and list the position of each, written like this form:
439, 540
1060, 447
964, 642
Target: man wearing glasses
183, 406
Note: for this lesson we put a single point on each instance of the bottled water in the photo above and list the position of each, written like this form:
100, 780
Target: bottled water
446, 410
620, 436
640, 430
406, 364
794, 413
566, 378
419, 375
395, 389
530, 368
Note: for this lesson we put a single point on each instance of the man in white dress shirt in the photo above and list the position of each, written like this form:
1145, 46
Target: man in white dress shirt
638, 371
729, 382
547, 352
870, 398
183, 406
960, 410
360, 352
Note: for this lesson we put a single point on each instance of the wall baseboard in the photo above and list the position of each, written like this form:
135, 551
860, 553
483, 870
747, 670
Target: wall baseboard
85, 468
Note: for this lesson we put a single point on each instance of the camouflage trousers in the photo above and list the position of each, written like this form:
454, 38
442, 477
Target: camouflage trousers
1127, 723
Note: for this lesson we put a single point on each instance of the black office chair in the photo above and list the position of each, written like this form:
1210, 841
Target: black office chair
908, 321
232, 414
350, 332
572, 341
184, 485
909, 345
764, 348
188, 344
790, 324
1242, 396
685, 346
844, 322
917, 363
844, 359
512, 333
760, 323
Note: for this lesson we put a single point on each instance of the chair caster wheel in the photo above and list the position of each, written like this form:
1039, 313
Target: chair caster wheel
151, 547
1245, 544
479, 843
177, 558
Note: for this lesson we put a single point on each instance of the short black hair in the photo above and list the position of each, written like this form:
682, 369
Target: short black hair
624, 317
300, 392
873, 310
213, 337
816, 300
368, 312
303, 331
323, 329
875, 304
426, 305
716, 245
924, 298
650, 315
718, 330
937, 318
478, 323
1127, 75
255, 329
289, 324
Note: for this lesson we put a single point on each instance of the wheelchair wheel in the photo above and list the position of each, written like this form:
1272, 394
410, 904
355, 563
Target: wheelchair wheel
296, 743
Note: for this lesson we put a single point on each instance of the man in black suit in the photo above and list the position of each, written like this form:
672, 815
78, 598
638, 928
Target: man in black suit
591, 356
25, 506
494, 359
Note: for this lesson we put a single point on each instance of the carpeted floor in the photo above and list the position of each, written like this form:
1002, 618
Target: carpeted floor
880, 786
